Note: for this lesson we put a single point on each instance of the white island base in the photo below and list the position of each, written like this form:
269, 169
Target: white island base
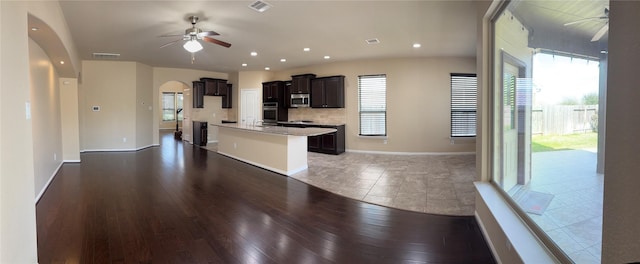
284, 154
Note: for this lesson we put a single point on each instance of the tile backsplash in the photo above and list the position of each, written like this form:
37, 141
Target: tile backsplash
319, 115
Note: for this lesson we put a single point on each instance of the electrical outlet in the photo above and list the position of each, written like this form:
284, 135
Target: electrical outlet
235, 145
55, 157
384, 142
124, 139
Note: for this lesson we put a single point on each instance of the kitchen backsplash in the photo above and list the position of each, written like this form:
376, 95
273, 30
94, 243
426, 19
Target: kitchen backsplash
319, 115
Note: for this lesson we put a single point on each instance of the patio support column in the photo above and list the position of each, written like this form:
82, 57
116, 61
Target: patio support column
602, 110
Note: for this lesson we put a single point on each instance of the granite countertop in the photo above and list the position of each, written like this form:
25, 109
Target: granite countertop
308, 123
280, 130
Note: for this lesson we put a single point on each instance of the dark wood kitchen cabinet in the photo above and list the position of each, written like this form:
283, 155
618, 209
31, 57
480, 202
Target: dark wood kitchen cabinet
226, 99
198, 94
214, 87
301, 84
273, 92
327, 92
332, 143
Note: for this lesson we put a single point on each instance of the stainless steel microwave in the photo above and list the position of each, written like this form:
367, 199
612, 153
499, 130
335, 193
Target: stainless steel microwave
300, 100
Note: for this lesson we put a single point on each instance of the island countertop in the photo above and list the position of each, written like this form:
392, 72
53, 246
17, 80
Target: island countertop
280, 130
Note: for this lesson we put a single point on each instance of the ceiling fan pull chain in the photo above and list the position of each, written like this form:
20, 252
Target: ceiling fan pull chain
193, 57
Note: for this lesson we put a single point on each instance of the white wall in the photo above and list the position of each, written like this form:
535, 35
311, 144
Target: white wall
45, 116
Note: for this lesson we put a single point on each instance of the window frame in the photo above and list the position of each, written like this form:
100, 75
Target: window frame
474, 112
176, 115
361, 112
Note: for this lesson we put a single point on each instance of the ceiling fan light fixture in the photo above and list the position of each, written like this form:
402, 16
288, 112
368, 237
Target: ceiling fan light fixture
192, 46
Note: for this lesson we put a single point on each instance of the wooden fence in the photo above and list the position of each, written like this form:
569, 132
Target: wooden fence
564, 119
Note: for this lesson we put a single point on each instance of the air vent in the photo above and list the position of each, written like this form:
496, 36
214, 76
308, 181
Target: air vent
373, 41
260, 6
105, 56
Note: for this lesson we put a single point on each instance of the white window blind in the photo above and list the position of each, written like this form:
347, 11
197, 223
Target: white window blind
464, 90
372, 104
171, 104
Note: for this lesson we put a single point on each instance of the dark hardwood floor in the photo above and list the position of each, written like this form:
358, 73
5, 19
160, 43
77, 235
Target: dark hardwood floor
180, 204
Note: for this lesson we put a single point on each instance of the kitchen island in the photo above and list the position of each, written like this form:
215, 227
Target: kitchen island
275, 148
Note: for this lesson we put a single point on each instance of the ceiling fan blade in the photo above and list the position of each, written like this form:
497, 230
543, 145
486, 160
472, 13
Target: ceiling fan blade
207, 33
215, 41
170, 43
600, 32
171, 35
585, 20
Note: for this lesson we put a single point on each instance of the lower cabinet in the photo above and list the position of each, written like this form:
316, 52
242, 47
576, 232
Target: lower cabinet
332, 143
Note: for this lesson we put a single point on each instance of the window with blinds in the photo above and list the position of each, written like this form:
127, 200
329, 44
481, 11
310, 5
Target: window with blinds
171, 106
464, 91
372, 104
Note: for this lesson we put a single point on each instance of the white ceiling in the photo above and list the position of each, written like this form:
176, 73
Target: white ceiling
335, 28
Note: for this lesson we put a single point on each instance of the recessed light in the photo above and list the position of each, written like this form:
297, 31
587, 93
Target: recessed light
283, 60
417, 45
253, 53
244, 65
267, 68
34, 29
327, 57
306, 49
61, 62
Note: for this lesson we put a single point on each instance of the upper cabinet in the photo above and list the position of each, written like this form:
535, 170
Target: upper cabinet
327, 92
198, 94
214, 87
226, 99
301, 84
211, 87
273, 92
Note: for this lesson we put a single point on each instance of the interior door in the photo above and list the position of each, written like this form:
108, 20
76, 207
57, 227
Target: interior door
249, 106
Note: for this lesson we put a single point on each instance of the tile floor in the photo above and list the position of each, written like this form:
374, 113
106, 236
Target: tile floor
573, 219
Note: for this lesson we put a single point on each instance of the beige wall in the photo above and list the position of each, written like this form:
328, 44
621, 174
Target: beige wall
144, 106
45, 116
418, 92
70, 122
17, 207
110, 85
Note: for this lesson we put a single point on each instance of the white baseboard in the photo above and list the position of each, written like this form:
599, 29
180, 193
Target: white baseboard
46, 185
71, 161
119, 150
409, 153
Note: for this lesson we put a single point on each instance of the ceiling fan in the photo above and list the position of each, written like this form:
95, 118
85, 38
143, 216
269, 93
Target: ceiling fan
603, 30
192, 37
